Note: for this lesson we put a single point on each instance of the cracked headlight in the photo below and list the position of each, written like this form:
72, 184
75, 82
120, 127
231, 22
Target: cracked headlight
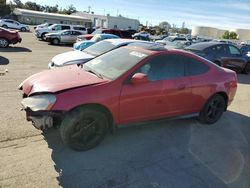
39, 102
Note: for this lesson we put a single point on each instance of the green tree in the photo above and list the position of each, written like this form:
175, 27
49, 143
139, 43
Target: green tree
165, 25
229, 35
18, 3
183, 31
33, 6
69, 10
232, 35
5, 10
226, 35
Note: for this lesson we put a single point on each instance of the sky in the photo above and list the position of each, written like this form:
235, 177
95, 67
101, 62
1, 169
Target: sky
224, 14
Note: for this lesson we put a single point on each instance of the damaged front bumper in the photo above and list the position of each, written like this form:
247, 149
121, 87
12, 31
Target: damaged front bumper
43, 119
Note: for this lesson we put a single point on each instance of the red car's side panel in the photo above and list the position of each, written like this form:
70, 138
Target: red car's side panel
141, 102
177, 94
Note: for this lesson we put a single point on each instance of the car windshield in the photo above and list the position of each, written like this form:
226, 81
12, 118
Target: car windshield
114, 63
99, 48
50, 27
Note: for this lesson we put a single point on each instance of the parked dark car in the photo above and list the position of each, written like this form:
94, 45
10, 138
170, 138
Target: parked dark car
245, 49
8, 37
119, 33
222, 54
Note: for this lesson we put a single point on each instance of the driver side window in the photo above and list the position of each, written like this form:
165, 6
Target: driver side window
163, 67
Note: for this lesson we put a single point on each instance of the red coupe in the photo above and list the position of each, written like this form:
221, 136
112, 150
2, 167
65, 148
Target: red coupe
126, 85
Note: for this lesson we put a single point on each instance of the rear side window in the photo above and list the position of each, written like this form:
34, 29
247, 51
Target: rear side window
80, 28
163, 67
64, 27
76, 33
195, 67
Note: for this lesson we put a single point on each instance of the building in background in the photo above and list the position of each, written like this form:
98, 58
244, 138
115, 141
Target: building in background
110, 22
214, 33
36, 17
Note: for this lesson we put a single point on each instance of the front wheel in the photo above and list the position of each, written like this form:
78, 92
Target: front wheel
23, 29
83, 128
4, 43
43, 36
213, 110
246, 70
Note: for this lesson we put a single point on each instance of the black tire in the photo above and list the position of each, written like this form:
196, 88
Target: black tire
55, 41
5, 26
43, 36
83, 128
246, 70
4, 43
213, 109
23, 29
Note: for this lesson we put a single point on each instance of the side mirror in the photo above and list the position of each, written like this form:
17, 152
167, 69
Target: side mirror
139, 78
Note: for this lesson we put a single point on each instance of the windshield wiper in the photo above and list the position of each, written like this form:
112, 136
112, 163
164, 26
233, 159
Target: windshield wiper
93, 72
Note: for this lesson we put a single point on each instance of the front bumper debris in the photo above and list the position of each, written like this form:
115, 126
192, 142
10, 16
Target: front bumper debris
43, 119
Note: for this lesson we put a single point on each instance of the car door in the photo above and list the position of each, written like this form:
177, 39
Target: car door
154, 99
11, 24
234, 58
16, 25
66, 37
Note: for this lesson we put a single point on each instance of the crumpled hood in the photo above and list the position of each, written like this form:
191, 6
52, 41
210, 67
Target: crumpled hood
55, 80
72, 57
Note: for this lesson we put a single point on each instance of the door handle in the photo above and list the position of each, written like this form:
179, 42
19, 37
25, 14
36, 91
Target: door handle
181, 86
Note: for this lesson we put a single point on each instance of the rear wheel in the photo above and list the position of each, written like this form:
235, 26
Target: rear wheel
23, 29
246, 70
213, 109
83, 128
55, 41
5, 26
4, 43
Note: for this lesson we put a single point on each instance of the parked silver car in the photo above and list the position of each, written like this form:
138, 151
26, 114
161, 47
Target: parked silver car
66, 36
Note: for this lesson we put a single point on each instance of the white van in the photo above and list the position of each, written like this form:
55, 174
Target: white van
40, 32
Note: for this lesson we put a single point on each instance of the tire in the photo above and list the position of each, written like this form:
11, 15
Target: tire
246, 70
4, 43
55, 41
5, 26
23, 29
213, 109
83, 128
43, 36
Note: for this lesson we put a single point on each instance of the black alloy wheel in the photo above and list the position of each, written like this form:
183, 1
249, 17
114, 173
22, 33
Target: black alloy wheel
83, 129
213, 109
